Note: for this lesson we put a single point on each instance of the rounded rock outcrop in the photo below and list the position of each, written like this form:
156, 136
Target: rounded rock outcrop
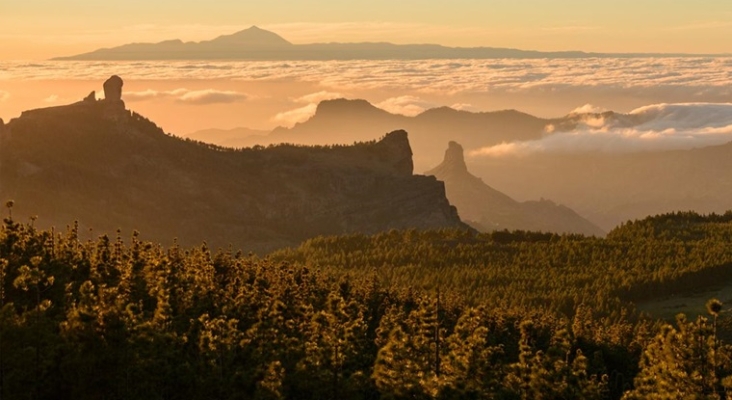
113, 88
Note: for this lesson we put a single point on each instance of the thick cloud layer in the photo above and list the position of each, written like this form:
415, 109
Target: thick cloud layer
286, 92
198, 97
655, 127
698, 76
4, 96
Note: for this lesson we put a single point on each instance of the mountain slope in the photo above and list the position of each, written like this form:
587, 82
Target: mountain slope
97, 162
488, 209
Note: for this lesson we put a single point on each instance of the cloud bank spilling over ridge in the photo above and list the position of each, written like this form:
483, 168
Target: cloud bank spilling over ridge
4, 96
303, 113
465, 107
656, 127
197, 97
588, 109
291, 117
406, 105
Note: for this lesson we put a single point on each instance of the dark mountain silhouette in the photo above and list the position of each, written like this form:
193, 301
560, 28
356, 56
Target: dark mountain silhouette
258, 44
111, 168
252, 42
487, 209
344, 121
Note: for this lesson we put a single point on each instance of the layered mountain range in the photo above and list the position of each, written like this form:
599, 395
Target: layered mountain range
609, 167
110, 168
344, 121
258, 44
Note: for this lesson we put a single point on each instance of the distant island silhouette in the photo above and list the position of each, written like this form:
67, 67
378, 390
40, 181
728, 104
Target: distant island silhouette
257, 44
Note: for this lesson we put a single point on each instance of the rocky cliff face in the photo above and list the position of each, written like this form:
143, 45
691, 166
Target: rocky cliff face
109, 168
487, 209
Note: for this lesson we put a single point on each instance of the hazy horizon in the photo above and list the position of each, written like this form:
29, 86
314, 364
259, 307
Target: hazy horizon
39, 29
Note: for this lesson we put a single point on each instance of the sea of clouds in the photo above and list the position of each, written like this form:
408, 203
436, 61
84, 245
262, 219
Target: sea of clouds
650, 128
701, 84
206, 96
443, 76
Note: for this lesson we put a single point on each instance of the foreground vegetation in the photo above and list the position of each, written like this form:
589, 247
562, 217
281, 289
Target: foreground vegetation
400, 315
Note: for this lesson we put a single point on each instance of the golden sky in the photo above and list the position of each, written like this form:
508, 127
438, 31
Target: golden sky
40, 29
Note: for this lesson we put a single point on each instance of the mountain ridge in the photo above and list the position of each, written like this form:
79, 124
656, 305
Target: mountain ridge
606, 188
344, 121
258, 44
112, 168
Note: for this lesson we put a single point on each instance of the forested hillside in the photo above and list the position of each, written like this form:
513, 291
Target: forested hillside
516, 316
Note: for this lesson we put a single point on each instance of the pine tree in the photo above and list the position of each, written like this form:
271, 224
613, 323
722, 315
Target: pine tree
682, 362
334, 338
557, 373
471, 369
408, 365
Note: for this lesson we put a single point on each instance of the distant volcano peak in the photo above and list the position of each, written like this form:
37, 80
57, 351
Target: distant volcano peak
253, 35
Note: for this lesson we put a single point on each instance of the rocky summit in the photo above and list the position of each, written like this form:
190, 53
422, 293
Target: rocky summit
487, 209
109, 168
